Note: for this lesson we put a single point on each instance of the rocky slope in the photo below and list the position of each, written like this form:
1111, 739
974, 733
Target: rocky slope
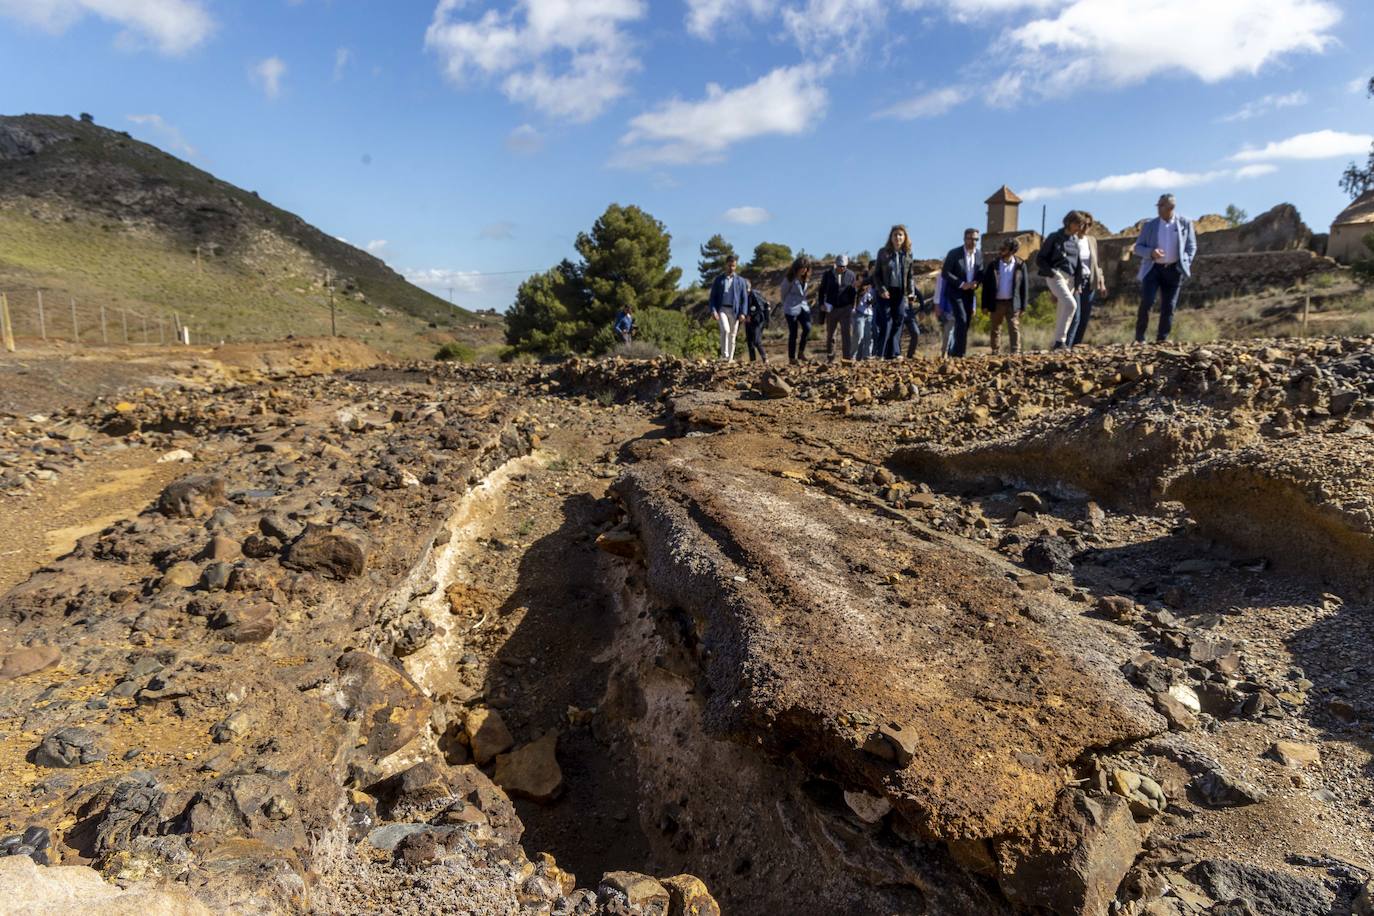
1074, 634
90, 213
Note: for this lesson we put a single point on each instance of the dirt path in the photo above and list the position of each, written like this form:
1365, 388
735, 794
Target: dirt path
42, 525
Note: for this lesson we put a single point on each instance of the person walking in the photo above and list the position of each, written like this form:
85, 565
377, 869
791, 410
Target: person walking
1166, 247
729, 301
963, 273
1062, 269
625, 324
796, 310
916, 304
892, 278
1005, 291
755, 320
1094, 283
863, 317
834, 284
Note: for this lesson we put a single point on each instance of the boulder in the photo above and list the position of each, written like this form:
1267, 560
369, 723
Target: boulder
1260, 890
1295, 754
328, 551
68, 747
531, 771
28, 660
487, 734
642, 893
191, 497
77, 889
773, 385
387, 705
1077, 862
689, 896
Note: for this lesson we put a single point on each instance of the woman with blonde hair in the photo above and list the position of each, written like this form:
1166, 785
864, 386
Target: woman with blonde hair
891, 281
795, 308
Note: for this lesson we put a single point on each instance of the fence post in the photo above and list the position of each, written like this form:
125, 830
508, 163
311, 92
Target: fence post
104, 337
76, 331
161, 335
6, 331
42, 324
124, 317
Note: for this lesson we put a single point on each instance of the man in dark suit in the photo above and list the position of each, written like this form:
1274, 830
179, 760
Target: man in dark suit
1005, 291
837, 307
963, 273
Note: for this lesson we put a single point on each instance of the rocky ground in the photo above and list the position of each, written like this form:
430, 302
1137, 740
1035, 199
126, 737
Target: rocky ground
1072, 634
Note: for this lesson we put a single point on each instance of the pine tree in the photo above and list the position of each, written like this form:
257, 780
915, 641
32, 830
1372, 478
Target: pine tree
625, 262
713, 255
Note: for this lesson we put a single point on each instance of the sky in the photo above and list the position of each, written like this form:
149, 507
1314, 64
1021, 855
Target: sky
468, 142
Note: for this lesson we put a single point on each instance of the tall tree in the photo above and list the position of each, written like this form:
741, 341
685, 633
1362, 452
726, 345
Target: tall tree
1355, 180
545, 315
625, 262
1235, 216
770, 254
713, 255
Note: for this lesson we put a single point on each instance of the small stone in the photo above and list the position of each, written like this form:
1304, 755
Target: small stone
867, 807
689, 896
1049, 554
772, 385
1295, 754
1222, 790
181, 575
176, 455
640, 892
328, 551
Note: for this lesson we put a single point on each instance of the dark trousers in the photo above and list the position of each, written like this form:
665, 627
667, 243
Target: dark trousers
961, 303
879, 328
1087, 298
798, 333
913, 332
1166, 281
893, 305
842, 319
753, 336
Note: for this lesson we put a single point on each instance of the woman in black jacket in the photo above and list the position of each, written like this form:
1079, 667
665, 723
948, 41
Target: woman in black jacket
1062, 269
891, 279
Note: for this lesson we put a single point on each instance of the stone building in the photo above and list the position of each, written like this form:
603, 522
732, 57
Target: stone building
1004, 222
1349, 229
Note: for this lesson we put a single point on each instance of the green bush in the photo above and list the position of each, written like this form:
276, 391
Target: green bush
455, 352
674, 333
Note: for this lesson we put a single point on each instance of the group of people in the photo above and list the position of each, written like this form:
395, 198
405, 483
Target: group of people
873, 307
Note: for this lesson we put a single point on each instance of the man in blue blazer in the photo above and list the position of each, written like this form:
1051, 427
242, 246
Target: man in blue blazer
729, 303
1166, 247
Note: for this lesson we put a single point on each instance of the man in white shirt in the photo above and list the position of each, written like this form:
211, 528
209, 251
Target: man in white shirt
1004, 294
1166, 247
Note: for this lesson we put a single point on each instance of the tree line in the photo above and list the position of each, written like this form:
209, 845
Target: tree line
623, 260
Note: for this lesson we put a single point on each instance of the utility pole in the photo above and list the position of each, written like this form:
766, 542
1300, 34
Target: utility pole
76, 331
104, 336
42, 325
333, 318
1043, 208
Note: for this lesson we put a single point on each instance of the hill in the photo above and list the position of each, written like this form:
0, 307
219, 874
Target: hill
92, 216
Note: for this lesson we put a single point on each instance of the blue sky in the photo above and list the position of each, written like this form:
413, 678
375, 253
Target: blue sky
467, 142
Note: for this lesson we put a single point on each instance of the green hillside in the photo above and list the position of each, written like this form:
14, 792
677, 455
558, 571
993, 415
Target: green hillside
92, 215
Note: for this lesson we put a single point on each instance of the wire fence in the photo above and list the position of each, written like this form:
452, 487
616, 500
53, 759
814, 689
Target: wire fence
32, 317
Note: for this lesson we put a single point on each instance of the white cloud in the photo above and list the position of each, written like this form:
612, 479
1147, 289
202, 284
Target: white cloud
927, 105
567, 58
1266, 104
525, 139
786, 102
171, 135
705, 17
376, 245
267, 74
1156, 179
174, 26
1112, 42
747, 216
342, 58
497, 231
1319, 144
818, 20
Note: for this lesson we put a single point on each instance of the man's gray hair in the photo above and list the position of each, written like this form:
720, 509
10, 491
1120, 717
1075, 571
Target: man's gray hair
1166, 198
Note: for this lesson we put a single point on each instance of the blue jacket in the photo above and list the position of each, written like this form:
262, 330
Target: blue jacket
624, 322
738, 301
1149, 241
